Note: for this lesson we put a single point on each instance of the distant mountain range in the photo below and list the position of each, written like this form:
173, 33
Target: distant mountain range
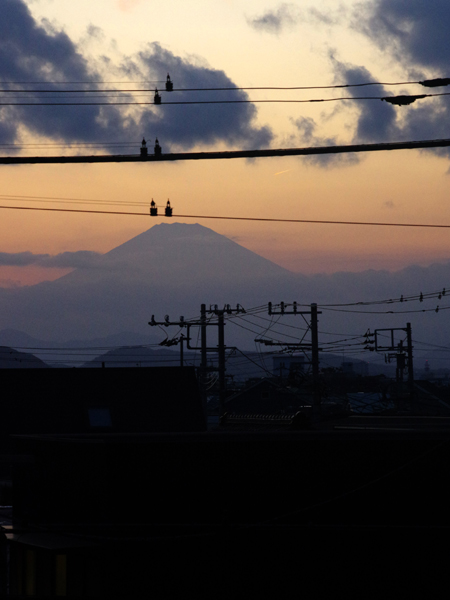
12, 359
174, 268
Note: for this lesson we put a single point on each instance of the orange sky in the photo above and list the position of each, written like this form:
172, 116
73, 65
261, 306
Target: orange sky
401, 186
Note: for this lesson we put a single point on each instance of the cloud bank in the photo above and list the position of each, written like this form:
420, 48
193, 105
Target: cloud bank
412, 31
414, 34
37, 52
411, 34
306, 128
81, 259
275, 21
30, 52
186, 126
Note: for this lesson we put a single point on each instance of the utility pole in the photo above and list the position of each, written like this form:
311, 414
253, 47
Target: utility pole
182, 338
220, 314
397, 351
204, 358
203, 323
313, 347
315, 354
410, 362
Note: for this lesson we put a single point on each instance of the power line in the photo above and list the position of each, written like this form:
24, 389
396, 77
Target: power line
391, 99
76, 82
420, 297
437, 82
271, 152
388, 312
263, 219
67, 145
56, 200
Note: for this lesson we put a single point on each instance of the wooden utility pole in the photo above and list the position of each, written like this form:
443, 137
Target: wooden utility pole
391, 346
313, 347
315, 355
220, 314
219, 349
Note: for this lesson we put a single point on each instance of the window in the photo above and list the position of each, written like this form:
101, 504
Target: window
99, 417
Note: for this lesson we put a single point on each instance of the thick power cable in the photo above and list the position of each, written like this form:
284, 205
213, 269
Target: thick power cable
228, 154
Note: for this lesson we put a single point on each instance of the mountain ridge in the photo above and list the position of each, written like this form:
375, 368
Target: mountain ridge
174, 268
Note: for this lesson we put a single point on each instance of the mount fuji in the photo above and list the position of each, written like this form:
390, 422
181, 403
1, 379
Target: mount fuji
174, 268
169, 269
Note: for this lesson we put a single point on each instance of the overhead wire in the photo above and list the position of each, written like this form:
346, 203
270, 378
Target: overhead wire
242, 318
261, 219
389, 312
249, 101
421, 297
437, 82
414, 297
39, 145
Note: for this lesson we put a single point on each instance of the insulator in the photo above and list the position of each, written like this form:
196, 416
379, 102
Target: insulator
169, 84
439, 81
403, 100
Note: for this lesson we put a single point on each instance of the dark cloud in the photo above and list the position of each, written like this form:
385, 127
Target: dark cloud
414, 34
186, 126
10, 283
275, 21
19, 259
319, 17
31, 52
306, 127
414, 30
287, 15
376, 119
74, 260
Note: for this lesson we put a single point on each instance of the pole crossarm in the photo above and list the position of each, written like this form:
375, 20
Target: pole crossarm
393, 345
215, 310
270, 152
284, 309
182, 323
403, 356
203, 323
313, 347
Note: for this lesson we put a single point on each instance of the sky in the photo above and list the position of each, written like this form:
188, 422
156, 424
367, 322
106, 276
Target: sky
227, 43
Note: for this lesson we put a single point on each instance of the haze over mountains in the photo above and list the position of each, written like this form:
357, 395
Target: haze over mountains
174, 268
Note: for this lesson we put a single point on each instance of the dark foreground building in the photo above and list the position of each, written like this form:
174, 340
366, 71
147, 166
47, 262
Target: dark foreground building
349, 505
